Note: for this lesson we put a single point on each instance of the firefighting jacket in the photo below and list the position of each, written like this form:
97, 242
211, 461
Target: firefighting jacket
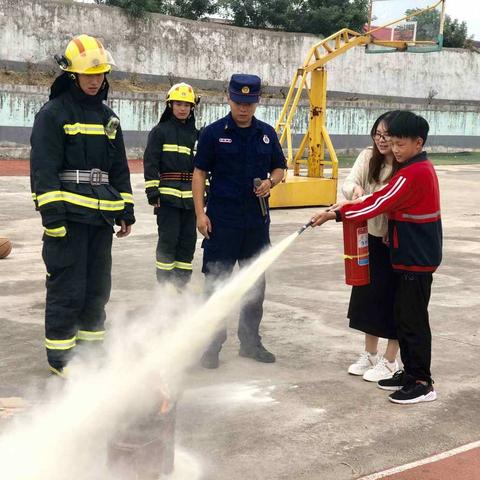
412, 201
69, 134
168, 163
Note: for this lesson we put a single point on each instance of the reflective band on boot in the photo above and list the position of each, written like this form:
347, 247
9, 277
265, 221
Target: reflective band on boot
165, 266
183, 265
60, 372
89, 336
60, 344
55, 232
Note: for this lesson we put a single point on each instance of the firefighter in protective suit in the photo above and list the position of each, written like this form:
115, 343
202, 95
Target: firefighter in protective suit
81, 185
168, 168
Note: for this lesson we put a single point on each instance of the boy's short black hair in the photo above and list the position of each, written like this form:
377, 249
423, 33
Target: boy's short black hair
405, 124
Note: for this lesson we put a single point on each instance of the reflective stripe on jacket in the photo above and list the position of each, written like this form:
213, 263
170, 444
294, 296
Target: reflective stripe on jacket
412, 201
69, 134
170, 149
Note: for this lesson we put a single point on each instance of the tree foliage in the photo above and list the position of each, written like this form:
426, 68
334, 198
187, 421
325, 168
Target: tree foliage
322, 17
193, 9
308, 16
455, 33
328, 16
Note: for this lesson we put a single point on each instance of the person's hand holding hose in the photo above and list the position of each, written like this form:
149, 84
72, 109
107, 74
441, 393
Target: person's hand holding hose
320, 218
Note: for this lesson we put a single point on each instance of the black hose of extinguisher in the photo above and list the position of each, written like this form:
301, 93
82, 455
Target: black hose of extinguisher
309, 224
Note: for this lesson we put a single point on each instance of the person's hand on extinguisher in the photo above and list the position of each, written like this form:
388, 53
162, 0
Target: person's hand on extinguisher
339, 205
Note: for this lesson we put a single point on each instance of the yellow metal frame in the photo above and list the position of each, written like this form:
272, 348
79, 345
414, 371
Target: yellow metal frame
316, 188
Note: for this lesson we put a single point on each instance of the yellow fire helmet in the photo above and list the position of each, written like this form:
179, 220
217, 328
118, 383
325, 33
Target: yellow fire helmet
85, 54
182, 92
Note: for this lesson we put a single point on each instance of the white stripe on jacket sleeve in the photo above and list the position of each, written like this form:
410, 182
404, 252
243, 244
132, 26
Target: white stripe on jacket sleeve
390, 193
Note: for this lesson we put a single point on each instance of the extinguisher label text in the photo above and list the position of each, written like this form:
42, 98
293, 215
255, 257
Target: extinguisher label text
362, 246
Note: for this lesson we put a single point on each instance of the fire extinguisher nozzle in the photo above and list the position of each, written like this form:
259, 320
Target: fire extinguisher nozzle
309, 224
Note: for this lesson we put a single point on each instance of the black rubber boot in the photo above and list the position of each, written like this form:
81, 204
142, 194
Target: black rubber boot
209, 360
257, 352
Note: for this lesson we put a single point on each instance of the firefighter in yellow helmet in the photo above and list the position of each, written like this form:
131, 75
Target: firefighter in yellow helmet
168, 167
81, 186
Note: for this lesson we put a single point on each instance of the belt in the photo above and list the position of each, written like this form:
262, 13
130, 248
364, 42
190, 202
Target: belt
95, 176
178, 176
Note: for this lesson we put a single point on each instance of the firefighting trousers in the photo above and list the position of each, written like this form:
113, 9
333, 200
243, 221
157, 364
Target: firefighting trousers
221, 251
177, 238
78, 288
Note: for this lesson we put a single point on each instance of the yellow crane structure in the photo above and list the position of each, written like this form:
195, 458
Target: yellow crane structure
318, 187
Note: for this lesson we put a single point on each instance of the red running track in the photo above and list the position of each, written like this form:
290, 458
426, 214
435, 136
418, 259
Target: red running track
459, 464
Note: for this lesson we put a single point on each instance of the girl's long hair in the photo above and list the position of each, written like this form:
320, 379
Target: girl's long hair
378, 159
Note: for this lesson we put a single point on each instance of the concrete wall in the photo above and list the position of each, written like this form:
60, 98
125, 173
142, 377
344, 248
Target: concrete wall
454, 126
32, 31
442, 86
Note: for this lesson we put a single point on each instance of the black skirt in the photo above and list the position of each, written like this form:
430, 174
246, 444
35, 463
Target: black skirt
371, 306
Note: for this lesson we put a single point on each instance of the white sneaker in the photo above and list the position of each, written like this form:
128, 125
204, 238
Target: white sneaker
365, 362
381, 371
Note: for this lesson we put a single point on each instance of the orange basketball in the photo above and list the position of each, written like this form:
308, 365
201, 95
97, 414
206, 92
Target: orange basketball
5, 247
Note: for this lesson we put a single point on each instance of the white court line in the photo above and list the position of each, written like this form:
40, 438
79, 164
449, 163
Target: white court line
425, 461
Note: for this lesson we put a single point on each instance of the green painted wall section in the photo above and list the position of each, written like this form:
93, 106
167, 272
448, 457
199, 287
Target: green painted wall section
17, 109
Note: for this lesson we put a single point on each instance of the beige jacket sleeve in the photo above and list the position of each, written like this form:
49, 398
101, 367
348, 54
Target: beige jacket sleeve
358, 175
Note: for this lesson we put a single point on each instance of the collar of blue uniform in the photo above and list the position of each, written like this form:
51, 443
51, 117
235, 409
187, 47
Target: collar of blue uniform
231, 125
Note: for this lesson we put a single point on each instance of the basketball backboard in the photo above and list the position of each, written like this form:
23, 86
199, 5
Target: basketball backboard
405, 25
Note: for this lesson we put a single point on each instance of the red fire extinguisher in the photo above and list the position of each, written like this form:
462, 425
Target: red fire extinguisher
355, 241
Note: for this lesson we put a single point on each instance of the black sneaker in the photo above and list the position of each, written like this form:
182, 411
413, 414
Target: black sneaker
397, 382
257, 352
414, 393
209, 360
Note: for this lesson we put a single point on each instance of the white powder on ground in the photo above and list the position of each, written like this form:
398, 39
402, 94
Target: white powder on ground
65, 436
231, 394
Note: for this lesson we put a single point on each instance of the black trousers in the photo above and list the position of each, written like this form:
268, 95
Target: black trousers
225, 247
411, 316
78, 288
177, 238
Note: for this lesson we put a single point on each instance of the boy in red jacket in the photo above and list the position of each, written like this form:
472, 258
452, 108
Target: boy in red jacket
412, 201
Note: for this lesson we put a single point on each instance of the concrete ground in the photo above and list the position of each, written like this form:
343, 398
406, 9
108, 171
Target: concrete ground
303, 417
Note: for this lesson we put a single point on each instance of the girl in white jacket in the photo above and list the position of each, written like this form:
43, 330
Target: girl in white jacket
371, 306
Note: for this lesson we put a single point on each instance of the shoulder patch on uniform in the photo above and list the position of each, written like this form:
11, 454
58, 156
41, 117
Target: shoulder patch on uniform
266, 139
225, 140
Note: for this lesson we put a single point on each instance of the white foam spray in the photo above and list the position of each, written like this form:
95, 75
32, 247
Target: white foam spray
64, 437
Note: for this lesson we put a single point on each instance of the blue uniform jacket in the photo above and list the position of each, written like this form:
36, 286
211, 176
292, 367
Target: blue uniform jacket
234, 157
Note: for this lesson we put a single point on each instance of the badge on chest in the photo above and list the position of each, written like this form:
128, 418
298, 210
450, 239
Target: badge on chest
225, 140
266, 140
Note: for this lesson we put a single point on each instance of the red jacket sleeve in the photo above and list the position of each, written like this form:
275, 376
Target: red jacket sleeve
392, 197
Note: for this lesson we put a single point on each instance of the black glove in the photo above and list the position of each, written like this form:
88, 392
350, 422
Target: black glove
53, 217
152, 195
127, 216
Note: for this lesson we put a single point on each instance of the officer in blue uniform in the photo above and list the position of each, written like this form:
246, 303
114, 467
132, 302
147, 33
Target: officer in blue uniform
244, 160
